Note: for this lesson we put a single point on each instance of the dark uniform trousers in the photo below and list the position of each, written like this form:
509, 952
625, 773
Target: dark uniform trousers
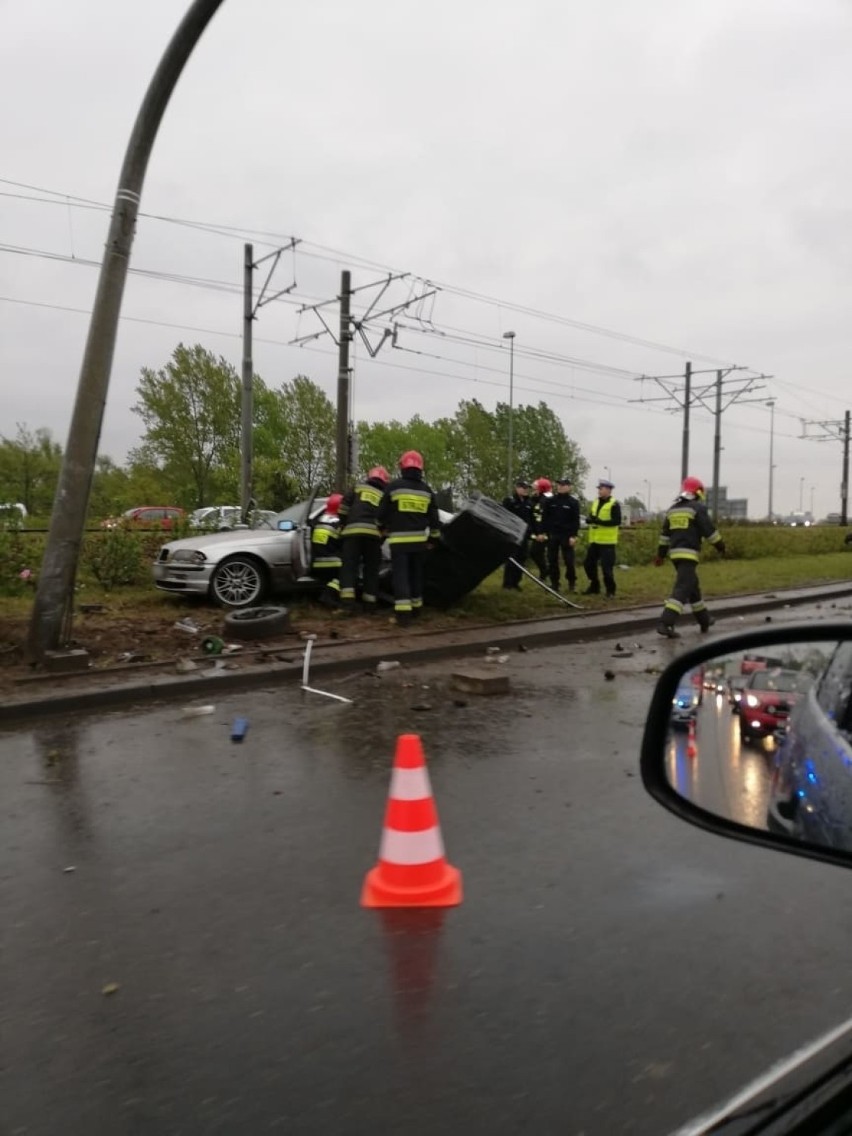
358, 550
407, 567
555, 545
603, 555
686, 590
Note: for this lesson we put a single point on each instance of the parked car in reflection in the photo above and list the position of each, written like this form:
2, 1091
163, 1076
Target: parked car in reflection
767, 699
146, 517
688, 697
811, 795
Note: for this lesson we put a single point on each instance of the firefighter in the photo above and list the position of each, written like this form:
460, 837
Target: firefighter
325, 551
562, 524
686, 524
518, 503
361, 540
408, 513
538, 535
603, 520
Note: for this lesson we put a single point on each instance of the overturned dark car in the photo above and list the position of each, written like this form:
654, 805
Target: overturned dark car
250, 566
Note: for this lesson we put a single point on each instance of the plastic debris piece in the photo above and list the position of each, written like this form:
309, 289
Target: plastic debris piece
387, 665
70, 868
197, 711
212, 645
186, 666
110, 988
239, 729
187, 625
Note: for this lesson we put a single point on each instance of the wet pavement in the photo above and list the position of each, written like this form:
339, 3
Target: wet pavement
611, 970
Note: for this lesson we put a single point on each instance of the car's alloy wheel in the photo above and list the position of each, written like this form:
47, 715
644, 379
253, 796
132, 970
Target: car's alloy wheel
239, 582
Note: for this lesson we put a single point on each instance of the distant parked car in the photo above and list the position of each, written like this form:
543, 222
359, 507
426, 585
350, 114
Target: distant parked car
12, 514
146, 517
224, 518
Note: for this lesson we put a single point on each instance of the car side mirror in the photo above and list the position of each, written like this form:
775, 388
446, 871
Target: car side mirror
750, 737
286, 526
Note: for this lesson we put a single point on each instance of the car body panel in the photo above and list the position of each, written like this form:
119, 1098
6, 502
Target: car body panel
284, 555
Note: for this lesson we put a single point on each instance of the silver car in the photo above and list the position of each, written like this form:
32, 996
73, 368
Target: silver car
245, 566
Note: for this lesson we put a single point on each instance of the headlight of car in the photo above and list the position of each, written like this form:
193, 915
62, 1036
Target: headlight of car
752, 701
193, 555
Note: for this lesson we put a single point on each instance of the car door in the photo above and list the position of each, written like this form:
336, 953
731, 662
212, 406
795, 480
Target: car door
301, 546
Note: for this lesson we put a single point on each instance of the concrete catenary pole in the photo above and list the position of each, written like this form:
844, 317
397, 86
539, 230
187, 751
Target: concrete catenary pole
51, 616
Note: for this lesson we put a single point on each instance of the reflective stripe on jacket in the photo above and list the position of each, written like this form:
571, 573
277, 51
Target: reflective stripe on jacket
325, 546
608, 515
408, 511
359, 509
686, 523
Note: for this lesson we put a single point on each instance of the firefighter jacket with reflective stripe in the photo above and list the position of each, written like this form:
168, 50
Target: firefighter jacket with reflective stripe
562, 515
522, 507
604, 521
359, 509
325, 545
408, 512
539, 504
686, 523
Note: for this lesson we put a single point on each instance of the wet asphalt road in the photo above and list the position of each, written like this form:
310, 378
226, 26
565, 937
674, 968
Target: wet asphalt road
611, 970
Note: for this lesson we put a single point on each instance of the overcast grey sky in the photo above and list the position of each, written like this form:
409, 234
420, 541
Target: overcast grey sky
674, 170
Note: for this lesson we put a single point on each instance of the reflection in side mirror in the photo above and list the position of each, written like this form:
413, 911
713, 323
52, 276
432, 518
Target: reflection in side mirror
754, 733
286, 526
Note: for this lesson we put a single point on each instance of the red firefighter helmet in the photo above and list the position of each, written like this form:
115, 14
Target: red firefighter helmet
542, 485
411, 460
693, 485
332, 505
378, 473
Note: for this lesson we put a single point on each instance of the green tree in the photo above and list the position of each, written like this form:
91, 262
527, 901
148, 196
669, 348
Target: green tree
305, 420
29, 469
191, 412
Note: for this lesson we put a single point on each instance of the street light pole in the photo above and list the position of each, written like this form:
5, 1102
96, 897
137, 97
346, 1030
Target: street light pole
813, 487
54, 599
648, 488
801, 495
510, 335
771, 404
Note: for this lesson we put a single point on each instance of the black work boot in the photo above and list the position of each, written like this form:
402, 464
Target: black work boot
592, 590
667, 630
705, 621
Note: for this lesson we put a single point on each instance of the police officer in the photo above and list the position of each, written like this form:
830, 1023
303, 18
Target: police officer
538, 536
409, 514
325, 551
603, 520
519, 503
686, 524
562, 524
361, 540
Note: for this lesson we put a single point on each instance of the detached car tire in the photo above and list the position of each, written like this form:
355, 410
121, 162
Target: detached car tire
257, 622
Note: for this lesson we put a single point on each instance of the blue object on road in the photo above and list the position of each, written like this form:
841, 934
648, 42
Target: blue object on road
239, 729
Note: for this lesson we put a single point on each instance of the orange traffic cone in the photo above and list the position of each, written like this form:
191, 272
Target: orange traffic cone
412, 870
691, 747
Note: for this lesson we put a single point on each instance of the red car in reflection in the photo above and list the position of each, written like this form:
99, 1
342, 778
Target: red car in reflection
767, 698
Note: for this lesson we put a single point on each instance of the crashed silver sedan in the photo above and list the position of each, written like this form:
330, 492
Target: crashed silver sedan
245, 566
248, 566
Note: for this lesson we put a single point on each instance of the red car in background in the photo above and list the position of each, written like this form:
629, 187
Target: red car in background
768, 696
147, 517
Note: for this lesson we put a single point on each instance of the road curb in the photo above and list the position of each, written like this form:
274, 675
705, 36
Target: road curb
332, 657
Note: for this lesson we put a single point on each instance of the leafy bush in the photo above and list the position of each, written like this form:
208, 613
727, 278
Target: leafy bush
20, 561
115, 558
